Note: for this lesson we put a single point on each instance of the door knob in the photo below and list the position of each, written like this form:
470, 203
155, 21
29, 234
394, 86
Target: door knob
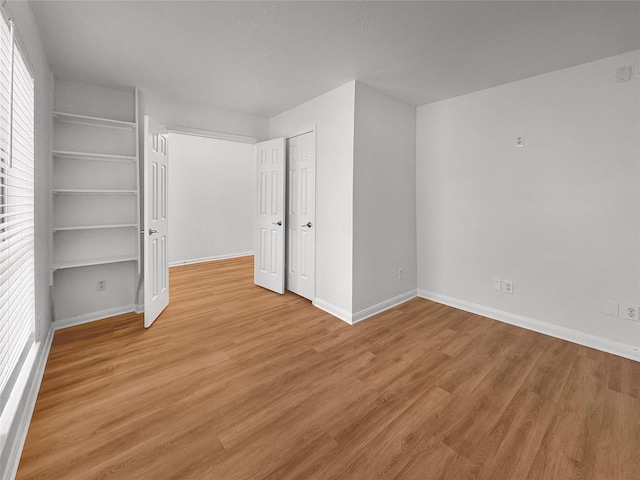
308, 225
277, 223
152, 231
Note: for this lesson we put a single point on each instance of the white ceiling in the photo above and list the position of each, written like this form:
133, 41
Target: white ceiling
265, 57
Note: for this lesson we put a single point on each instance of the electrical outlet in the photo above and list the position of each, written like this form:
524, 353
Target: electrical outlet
507, 287
400, 273
101, 286
630, 312
519, 140
497, 285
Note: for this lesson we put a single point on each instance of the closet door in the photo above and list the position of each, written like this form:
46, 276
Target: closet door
156, 258
270, 222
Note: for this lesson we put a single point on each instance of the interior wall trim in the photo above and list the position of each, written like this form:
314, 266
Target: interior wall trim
382, 306
210, 259
570, 335
333, 310
198, 132
17, 436
93, 316
353, 318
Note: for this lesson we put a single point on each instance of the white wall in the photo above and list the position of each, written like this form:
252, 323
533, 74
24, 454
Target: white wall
559, 217
384, 198
172, 111
333, 115
211, 198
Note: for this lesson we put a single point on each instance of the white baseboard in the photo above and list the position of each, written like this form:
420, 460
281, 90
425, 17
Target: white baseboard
382, 306
139, 308
93, 316
333, 310
570, 335
17, 436
353, 318
210, 259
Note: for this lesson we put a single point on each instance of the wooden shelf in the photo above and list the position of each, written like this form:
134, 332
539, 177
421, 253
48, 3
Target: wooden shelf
96, 157
93, 121
84, 191
94, 227
94, 261
95, 230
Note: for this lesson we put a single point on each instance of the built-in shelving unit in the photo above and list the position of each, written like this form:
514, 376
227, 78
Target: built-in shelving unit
95, 261
95, 202
87, 191
97, 157
93, 121
95, 227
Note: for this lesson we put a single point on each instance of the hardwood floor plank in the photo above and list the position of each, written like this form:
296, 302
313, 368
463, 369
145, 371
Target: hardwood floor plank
234, 382
621, 419
570, 443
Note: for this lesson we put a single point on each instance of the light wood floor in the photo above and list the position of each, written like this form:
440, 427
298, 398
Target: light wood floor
234, 382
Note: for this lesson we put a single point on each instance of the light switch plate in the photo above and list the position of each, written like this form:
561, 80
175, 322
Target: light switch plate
611, 308
624, 74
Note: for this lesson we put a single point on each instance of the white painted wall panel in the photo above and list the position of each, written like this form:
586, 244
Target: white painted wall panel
559, 217
172, 111
211, 198
384, 230
333, 114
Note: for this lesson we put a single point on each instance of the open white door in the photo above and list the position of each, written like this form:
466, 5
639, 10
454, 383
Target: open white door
156, 264
301, 209
270, 223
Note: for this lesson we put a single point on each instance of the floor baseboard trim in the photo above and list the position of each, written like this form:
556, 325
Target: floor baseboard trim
15, 443
570, 335
382, 306
353, 318
333, 310
93, 316
210, 259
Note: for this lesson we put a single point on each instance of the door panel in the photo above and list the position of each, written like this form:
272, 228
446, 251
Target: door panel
156, 264
301, 191
270, 223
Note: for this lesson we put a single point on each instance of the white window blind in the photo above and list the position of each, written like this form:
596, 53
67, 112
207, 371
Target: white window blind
17, 298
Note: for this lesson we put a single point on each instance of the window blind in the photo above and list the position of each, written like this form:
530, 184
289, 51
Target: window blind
17, 292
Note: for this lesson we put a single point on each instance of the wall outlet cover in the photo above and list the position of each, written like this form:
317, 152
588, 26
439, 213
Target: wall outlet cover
630, 312
507, 287
519, 140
